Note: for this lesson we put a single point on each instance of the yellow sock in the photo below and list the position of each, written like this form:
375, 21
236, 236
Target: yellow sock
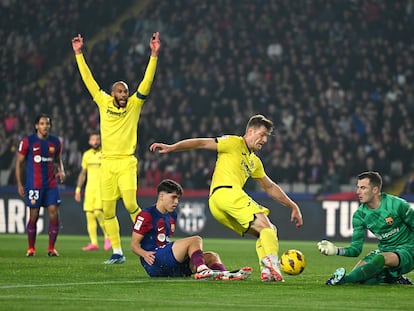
111, 223
130, 201
260, 251
269, 241
99, 215
92, 227
112, 228
134, 214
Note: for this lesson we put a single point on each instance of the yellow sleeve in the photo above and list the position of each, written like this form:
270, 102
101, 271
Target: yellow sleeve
258, 171
145, 85
87, 76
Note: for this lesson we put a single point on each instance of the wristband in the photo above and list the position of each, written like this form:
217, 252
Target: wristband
340, 251
77, 190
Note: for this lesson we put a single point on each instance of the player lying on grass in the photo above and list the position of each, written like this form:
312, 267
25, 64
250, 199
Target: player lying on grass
391, 220
162, 257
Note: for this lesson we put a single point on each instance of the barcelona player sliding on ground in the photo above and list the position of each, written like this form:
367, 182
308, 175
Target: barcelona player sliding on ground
161, 257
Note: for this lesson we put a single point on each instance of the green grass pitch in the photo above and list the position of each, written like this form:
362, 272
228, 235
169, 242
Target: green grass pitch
78, 280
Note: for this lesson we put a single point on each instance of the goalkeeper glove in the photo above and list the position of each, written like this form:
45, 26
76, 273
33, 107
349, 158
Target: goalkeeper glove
327, 248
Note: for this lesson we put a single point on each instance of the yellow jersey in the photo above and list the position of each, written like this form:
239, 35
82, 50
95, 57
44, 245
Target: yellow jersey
235, 163
119, 126
91, 162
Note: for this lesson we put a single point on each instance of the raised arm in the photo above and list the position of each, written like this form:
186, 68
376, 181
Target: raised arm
146, 83
86, 74
186, 144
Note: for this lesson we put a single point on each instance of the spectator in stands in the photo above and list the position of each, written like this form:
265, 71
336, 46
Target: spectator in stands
409, 185
326, 44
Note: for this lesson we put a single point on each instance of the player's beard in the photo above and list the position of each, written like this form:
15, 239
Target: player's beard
118, 103
43, 132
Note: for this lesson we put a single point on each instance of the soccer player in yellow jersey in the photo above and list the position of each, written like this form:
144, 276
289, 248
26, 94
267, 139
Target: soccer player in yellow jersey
229, 203
119, 115
91, 170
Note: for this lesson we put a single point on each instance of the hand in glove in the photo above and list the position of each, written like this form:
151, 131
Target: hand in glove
327, 248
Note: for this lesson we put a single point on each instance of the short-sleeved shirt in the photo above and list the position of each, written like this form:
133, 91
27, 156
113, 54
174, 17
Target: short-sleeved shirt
157, 229
91, 163
40, 156
235, 163
118, 125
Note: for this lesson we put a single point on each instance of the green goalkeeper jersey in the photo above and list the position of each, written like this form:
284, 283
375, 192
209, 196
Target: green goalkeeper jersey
392, 223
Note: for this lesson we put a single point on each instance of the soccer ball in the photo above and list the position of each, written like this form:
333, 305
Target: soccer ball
292, 262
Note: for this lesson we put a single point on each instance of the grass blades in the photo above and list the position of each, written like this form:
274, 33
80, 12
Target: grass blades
78, 280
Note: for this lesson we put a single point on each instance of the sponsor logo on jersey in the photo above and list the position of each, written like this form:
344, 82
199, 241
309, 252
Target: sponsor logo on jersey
116, 113
38, 159
161, 237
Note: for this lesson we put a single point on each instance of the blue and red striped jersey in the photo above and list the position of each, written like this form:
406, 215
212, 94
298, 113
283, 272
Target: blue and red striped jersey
156, 228
40, 155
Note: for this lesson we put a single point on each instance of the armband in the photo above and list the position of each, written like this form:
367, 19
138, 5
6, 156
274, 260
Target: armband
77, 190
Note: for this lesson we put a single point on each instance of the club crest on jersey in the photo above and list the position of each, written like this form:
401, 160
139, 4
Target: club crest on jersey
51, 149
191, 217
389, 220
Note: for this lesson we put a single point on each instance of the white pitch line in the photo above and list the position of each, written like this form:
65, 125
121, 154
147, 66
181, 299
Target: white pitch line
84, 283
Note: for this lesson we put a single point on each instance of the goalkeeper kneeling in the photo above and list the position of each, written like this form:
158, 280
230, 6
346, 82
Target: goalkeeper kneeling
391, 220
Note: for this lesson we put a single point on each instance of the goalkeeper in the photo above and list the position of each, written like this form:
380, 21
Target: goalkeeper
391, 220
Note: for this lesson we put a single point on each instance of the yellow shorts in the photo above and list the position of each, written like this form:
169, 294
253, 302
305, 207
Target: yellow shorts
233, 208
118, 175
92, 200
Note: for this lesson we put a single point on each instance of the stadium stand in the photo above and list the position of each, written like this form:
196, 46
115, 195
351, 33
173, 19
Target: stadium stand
336, 78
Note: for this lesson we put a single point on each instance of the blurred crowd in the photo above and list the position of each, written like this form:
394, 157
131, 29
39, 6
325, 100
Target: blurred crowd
336, 77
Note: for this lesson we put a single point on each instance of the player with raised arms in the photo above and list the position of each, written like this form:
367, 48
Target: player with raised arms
119, 115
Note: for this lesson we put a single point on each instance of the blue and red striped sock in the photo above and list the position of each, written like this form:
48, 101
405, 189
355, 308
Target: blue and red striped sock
197, 258
31, 233
53, 233
218, 266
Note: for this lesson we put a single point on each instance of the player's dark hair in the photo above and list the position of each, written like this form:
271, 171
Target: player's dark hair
258, 120
375, 178
94, 133
170, 186
42, 115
